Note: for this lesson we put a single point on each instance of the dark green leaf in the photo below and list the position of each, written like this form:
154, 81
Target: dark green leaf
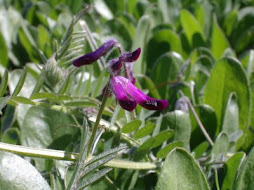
4, 82
200, 149
181, 171
3, 52
169, 65
162, 42
131, 126
11, 136
192, 28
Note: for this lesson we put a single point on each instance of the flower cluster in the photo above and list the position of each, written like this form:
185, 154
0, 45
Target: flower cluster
127, 94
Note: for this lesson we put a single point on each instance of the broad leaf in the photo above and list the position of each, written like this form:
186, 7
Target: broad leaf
19, 174
229, 76
181, 171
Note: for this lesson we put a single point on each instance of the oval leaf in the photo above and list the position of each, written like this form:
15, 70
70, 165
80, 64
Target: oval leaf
181, 171
17, 173
131, 126
144, 131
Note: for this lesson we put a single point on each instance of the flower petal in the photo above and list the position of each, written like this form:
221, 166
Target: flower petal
115, 64
131, 56
140, 97
124, 100
95, 55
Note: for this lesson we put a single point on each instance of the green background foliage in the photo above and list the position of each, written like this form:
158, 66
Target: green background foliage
196, 54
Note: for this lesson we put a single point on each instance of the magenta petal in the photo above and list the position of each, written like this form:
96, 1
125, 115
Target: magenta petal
91, 57
125, 102
131, 56
140, 97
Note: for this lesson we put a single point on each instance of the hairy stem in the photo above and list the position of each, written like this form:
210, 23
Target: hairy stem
70, 156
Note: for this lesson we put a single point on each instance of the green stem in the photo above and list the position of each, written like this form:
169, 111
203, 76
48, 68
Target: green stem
97, 122
70, 156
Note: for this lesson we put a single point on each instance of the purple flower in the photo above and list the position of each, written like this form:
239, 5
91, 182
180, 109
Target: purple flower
95, 55
129, 95
131, 56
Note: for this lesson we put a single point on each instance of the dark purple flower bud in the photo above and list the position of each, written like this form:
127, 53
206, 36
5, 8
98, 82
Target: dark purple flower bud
115, 64
131, 56
125, 92
124, 100
91, 57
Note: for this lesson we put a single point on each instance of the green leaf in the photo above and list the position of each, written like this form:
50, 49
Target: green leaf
20, 83
144, 131
11, 136
4, 82
143, 149
40, 81
3, 102
148, 84
46, 128
180, 123
87, 103
230, 22
100, 84
219, 42
131, 126
230, 168
169, 65
162, 137
161, 42
102, 8
221, 146
245, 176
231, 117
17, 173
229, 76
3, 51
200, 149
192, 28
140, 40
181, 171
162, 153
43, 95
22, 100
95, 177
